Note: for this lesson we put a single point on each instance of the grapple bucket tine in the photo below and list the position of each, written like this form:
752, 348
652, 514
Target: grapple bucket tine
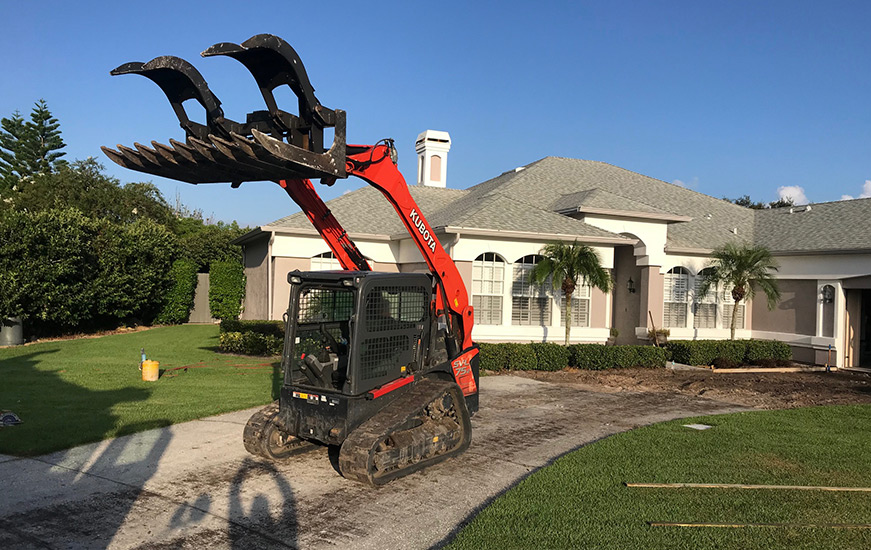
118, 158
168, 153
230, 165
240, 155
183, 149
203, 148
132, 156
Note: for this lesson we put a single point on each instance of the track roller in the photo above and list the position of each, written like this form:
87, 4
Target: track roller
429, 424
263, 436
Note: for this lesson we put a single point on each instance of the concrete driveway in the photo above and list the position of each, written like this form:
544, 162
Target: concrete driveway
193, 485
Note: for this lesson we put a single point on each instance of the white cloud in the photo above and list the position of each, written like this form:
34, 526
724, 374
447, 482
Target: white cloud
692, 184
794, 192
866, 192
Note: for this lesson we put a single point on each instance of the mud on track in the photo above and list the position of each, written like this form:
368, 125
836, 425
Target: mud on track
193, 486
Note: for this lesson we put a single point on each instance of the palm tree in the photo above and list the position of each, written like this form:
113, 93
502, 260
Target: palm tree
567, 264
744, 268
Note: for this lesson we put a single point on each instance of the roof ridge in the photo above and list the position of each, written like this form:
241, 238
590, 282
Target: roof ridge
817, 203
648, 177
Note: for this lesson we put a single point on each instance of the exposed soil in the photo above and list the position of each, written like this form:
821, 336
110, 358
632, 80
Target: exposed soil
758, 390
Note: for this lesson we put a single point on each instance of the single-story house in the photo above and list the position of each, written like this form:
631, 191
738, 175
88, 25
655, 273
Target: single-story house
654, 236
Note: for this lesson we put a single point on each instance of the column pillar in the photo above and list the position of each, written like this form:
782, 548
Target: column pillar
651, 289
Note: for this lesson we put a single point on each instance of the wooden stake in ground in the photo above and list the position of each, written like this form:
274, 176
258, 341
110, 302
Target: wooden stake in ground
652, 324
739, 525
745, 486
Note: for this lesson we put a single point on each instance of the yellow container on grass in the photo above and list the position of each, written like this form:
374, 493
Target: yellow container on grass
150, 371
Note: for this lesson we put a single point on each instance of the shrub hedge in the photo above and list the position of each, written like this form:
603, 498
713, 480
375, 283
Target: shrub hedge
226, 289
552, 357
180, 298
62, 271
599, 357
250, 343
274, 328
703, 352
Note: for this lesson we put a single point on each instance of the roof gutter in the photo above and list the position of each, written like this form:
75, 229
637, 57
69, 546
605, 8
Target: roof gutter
540, 236
311, 232
627, 214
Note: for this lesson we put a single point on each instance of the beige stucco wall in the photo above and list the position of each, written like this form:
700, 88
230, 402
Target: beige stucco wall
651, 289
280, 268
599, 309
626, 305
796, 313
256, 274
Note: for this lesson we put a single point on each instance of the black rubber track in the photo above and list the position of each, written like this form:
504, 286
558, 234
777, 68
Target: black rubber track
356, 457
263, 437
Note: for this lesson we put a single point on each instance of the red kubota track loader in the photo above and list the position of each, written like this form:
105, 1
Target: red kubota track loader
380, 364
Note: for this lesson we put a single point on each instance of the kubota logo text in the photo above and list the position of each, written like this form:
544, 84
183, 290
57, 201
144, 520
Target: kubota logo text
421, 227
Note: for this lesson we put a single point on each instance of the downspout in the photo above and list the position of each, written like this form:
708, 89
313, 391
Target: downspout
269, 276
452, 244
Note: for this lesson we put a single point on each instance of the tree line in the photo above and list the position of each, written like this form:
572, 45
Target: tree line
81, 251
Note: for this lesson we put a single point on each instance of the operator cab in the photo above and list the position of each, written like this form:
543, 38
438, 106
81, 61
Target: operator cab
382, 317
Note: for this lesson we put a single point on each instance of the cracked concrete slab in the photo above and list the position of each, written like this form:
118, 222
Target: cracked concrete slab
192, 485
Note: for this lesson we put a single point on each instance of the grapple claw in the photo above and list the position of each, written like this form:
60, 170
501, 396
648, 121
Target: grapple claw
181, 81
241, 152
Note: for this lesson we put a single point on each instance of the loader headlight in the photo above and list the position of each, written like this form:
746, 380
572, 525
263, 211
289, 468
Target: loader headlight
295, 280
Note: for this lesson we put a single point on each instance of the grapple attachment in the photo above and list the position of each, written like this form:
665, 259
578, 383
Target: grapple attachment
271, 145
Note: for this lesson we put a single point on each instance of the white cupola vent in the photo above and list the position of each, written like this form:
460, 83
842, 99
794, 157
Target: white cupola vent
432, 148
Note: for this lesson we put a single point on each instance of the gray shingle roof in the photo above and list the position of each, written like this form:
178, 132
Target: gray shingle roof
551, 179
367, 211
828, 226
527, 199
605, 200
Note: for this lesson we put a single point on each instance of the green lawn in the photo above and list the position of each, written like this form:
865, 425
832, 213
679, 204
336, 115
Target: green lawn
79, 391
581, 501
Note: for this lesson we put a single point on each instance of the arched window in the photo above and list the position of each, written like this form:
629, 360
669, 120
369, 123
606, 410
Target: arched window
325, 262
488, 288
704, 307
675, 298
530, 304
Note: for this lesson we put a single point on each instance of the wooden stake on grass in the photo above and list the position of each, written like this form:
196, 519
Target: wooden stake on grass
746, 486
739, 525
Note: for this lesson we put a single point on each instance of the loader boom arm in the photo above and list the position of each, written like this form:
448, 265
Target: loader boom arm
375, 165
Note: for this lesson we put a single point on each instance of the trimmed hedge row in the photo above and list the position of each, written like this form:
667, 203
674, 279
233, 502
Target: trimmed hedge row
226, 289
704, 352
180, 298
250, 343
599, 357
553, 357
273, 328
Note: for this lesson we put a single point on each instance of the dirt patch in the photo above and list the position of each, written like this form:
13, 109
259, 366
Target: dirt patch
758, 390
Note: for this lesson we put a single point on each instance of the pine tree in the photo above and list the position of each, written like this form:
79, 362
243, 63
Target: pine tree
47, 142
29, 148
13, 135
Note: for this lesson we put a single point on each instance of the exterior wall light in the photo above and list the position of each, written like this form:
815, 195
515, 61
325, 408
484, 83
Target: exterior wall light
630, 286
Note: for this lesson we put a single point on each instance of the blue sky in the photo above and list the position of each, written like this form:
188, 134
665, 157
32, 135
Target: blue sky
727, 98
